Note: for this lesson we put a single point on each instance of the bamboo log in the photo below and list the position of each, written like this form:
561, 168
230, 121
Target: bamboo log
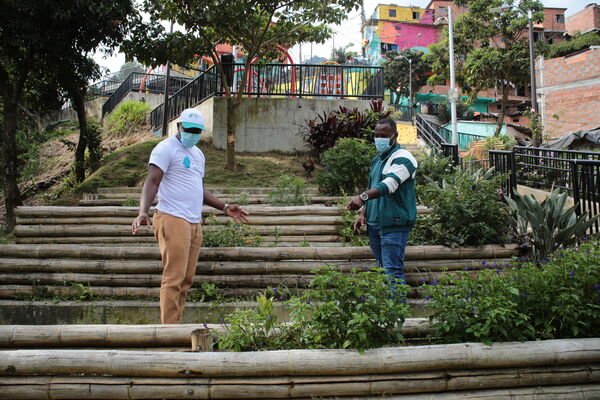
255, 220
154, 280
293, 387
47, 336
413, 253
250, 200
125, 230
22, 265
281, 241
303, 362
213, 190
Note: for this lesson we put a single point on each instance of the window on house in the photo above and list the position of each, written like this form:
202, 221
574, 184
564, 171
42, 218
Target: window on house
398, 27
416, 15
537, 36
443, 11
560, 18
521, 91
392, 13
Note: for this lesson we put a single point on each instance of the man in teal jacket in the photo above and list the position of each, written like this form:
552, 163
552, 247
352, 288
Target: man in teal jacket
389, 206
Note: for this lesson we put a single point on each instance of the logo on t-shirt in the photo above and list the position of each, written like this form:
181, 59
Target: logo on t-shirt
187, 162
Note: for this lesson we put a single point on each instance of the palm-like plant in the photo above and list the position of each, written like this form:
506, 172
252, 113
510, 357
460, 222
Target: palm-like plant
548, 226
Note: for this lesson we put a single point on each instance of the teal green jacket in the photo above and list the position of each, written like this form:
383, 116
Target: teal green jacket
393, 175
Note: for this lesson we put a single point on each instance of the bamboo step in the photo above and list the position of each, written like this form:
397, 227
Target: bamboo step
249, 200
214, 190
137, 240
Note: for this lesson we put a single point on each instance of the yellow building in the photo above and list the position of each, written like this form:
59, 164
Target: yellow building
398, 13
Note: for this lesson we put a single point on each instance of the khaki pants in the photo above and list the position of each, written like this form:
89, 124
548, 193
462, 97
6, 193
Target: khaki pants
179, 242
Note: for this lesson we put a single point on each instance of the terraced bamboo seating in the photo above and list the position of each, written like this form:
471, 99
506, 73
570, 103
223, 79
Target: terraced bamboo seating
552, 369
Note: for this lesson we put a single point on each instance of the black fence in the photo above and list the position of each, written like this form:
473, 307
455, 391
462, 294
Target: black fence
143, 83
451, 151
429, 133
102, 89
585, 175
504, 162
200, 88
277, 80
544, 168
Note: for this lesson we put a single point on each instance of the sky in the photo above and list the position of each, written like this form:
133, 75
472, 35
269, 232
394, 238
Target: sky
348, 32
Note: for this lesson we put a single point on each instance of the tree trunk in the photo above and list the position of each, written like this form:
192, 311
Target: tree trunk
78, 104
12, 196
500, 122
233, 105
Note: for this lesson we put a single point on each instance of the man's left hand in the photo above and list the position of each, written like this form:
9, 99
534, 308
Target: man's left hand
355, 203
237, 213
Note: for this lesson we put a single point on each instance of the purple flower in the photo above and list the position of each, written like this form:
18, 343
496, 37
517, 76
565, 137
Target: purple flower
221, 320
523, 294
465, 268
307, 301
368, 269
433, 282
472, 309
422, 279
498, 271
362, 299
500, 192
483, 263
274, 290
427, 297
597, 287
572, 273
467, 297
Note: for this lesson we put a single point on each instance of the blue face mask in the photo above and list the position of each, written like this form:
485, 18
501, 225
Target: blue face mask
382, 144
189, 139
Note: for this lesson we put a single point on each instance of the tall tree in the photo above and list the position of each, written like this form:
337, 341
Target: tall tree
491, 49
396, 72
256, 27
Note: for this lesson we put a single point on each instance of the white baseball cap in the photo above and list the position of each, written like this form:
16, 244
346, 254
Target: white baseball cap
192, 118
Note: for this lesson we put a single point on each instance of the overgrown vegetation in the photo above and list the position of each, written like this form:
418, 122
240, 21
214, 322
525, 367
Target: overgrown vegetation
230, 234
346, 167
355, 310
128, 116
577, 43
289, 191
557, 298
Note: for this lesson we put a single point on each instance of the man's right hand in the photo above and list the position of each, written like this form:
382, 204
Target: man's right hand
140, 220
360, 221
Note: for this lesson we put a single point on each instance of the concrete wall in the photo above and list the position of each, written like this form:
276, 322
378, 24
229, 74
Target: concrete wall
570, 89
153, 100
266, 124
584, 20
93, 110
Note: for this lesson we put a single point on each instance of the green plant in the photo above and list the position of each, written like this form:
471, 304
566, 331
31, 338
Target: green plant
499, 143
547, 226
289, 191
557, 298
241, 199
325, 131
466, 209
433, 167
204, 292
355, 310
346, 167
229, 235
128, 116
131, 202
464, 111
346, 229
577, 43
252, 329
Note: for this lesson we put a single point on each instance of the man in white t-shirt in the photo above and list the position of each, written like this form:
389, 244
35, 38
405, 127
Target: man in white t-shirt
176, 172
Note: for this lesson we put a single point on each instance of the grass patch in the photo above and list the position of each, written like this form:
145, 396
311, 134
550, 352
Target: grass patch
128, 167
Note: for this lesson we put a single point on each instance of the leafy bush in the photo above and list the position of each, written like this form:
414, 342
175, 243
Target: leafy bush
547, 226
229, 235
346, 229
522, 301
323, 132
577, 43
346, 167
128, 116
289, 191
467, 210
499, 143
433, 167
464, 111
354, 310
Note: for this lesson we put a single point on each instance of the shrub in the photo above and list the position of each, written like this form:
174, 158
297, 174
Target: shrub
346, 167
324, 131
522, 301
130, 202
354, 310
579, 42
229, 235
289, 191
547, 226
467, 209
432, 167
128, 116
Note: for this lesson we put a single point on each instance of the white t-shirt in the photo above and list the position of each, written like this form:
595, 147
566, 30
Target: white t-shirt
181, 191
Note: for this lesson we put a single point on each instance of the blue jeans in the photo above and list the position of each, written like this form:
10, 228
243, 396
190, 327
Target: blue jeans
389, 251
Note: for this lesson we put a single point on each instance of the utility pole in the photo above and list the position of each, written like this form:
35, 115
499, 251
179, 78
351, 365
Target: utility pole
453, 93
165, 123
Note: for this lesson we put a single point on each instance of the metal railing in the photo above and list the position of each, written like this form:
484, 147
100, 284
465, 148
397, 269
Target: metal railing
474, 165
429, 133
402, 113
451, 151
101, 89
145, 83
464, 139
504, 163
199, 89
545, 168
585, 175
278, 80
